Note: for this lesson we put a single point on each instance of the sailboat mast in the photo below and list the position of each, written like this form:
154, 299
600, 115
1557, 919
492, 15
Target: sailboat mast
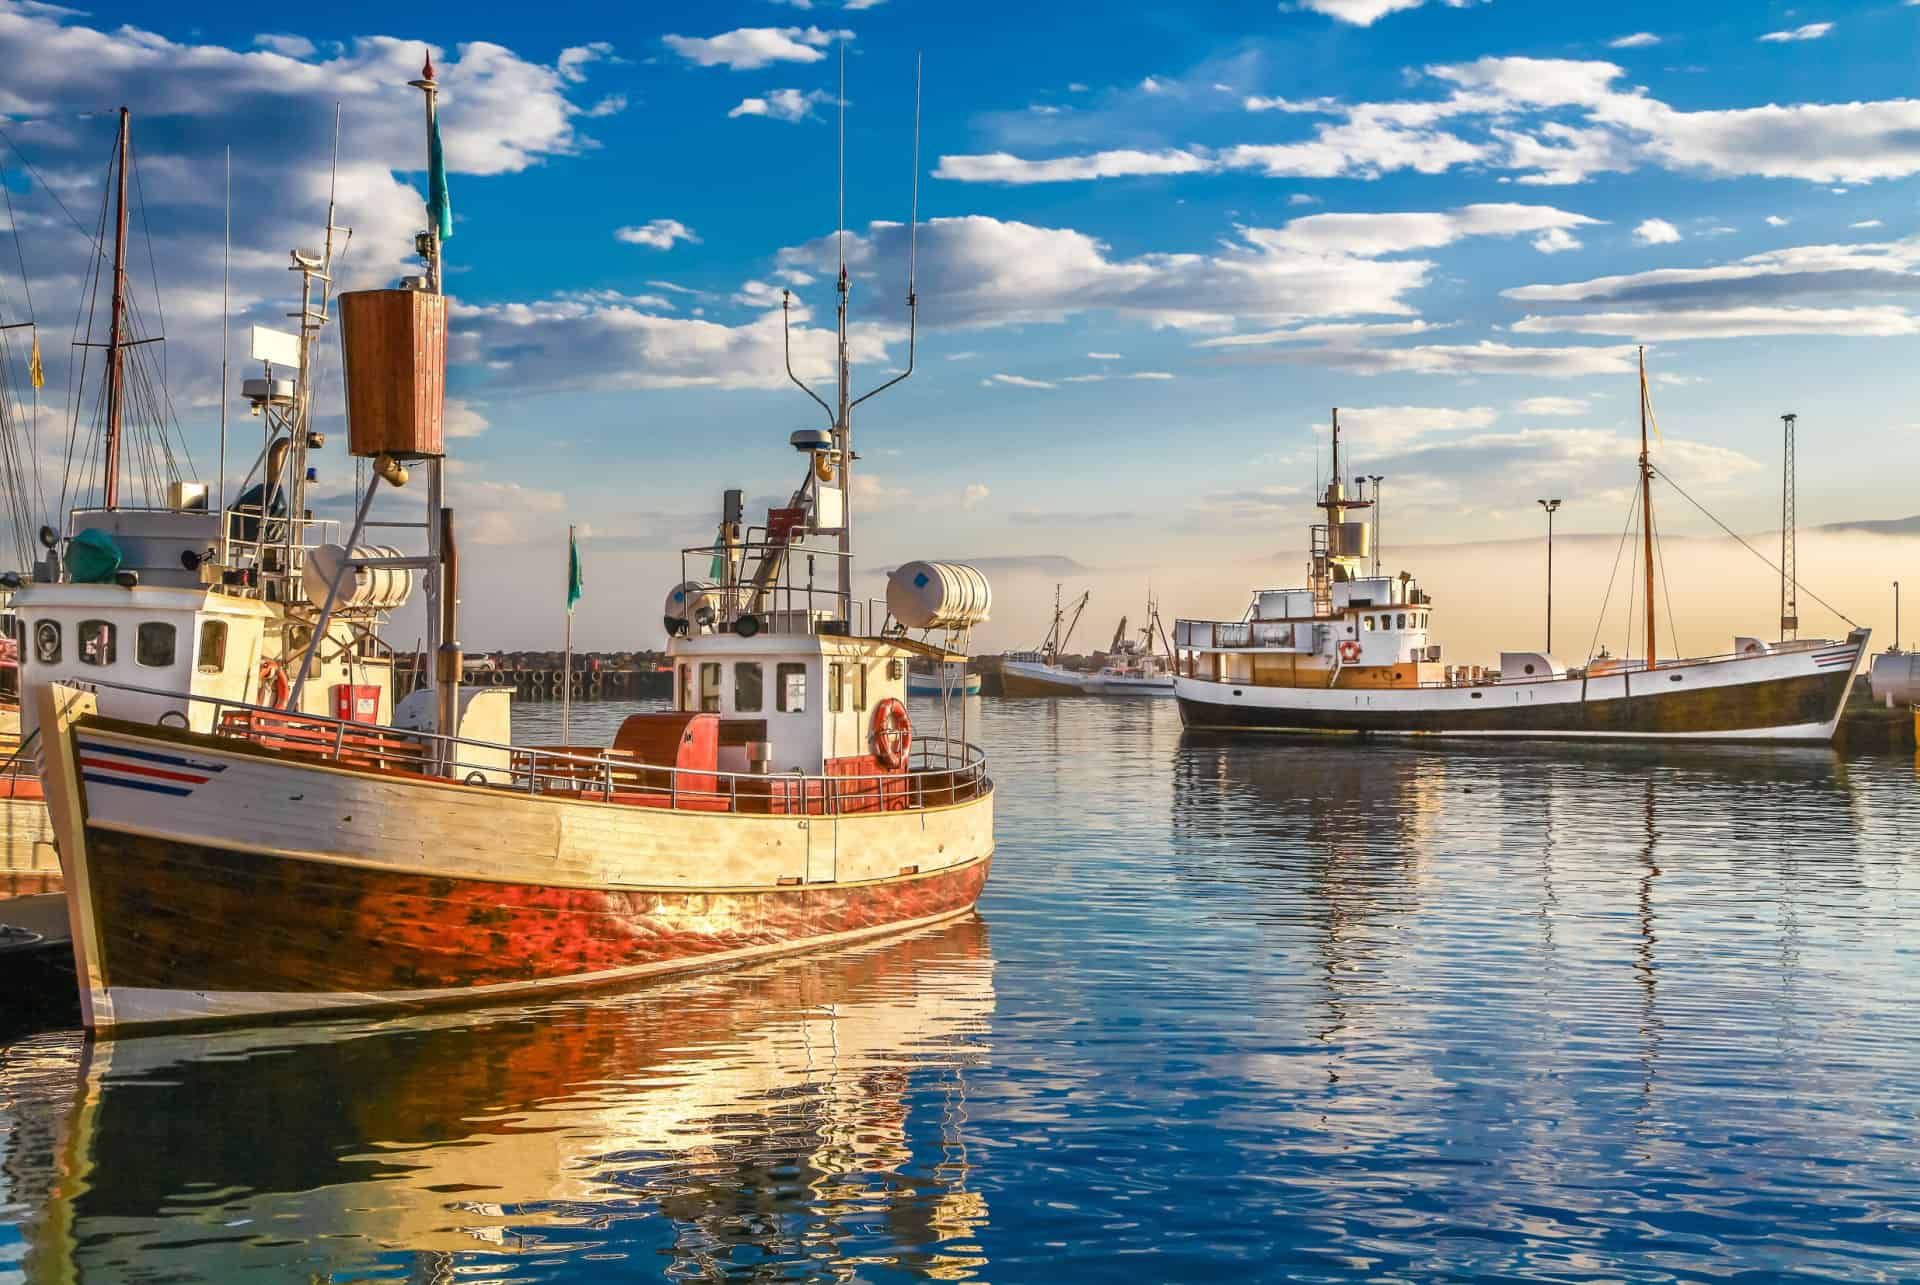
1646, 509
116, 350
844, 430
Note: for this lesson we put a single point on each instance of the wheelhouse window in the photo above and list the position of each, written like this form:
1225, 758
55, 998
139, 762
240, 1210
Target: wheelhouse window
749, 683
1401, 622
710, 687
860, 686
213, 647
153, 644
1368, 621
686, 687
98, 642
791, 689
836, 688
46, 642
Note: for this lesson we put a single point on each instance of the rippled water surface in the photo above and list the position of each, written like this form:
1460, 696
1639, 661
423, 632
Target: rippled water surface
1232, 1009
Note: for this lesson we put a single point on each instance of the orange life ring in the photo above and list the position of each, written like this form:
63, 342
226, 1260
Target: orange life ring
1349, 651
273, 677
892, 734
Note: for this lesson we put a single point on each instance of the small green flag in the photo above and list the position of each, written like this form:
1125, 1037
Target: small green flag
439, 204
576, 582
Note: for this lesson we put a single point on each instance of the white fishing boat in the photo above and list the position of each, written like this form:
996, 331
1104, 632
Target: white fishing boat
1039, 672
943, 680
1351, 651
1140, 666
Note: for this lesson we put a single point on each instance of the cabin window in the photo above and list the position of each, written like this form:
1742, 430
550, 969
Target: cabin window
859, 686
1369, 623
153, 644
836, 688
710, 687
791, 691
97, 642
749, 682
1402, 622
686, 687
46, 642
213, 646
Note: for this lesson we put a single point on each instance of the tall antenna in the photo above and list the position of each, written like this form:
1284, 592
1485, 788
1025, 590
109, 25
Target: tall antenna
116, 341
226, 259
1789, 586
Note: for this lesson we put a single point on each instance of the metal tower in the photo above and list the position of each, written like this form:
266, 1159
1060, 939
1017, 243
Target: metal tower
1789, 587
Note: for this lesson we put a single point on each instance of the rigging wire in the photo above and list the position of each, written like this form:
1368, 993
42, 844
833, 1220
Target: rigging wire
1666, 587
1600, 622
1755, 552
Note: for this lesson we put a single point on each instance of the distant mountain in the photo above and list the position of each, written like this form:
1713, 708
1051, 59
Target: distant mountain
1885, 526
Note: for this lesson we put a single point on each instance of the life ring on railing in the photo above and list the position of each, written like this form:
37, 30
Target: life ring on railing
892, 734
1349, 652
273, 681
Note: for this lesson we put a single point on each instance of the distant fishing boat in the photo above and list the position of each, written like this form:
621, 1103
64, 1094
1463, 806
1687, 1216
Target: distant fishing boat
1040, 673
947, 680
1136, 667
1350, 652
258, 861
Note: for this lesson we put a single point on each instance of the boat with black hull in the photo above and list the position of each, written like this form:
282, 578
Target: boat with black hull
1350, 652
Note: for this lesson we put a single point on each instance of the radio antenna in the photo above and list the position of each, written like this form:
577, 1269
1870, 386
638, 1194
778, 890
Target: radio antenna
913, 237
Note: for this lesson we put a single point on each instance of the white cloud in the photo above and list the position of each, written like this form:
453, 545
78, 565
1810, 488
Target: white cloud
1729, 323
495, 513
1809, 31
962, 356
1818, 273
1017, 381
1870, 223
656, 234
748, 48
1364, 13
1483, 358
782, 104
1638, 40
1104, 356
290, 46
1329, 332
461, 418
1371, 235
1378, 427
1537, 121
1656, 232
1158, 375
1552, 406
1556, 241
1301, 198
1775, 221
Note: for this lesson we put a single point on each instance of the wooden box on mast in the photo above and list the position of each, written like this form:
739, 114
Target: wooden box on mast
395, 345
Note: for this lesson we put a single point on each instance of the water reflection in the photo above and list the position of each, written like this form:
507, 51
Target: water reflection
743, 1125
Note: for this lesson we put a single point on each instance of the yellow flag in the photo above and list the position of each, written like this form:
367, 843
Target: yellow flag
34, 371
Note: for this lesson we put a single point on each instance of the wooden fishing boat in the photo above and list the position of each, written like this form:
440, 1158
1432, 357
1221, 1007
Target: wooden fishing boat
256, 860
1039, 672
1350, 652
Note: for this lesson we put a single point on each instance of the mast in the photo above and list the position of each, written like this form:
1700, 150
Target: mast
844, 429
428, 244
1646, 509
116, 352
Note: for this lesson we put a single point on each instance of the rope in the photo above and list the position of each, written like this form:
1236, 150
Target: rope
1755, 552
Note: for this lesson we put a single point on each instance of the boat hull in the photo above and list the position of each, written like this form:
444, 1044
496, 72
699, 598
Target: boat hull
1108, 685
214, 880
1024, 678
1788, 697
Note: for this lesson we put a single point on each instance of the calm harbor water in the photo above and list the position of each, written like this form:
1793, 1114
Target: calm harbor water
1232, 1009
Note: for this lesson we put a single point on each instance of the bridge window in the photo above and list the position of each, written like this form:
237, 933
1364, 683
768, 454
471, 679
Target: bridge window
46, 642
710, 687
153, 644
97, 642
749, 683
1369, 623
1402, 624
686, 687
213, 646
790, 690
860, 686
836, 688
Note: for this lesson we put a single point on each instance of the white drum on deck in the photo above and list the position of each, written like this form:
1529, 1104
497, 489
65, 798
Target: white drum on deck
938, 595
379, 588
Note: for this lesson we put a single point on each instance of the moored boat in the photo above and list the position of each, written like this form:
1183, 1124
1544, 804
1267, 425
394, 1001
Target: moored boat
260, 861
945, 680
1350, 652
1039, 672
1136, 667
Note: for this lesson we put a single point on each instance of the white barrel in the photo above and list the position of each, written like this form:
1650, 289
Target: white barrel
1896, 677
938, 595
376, 588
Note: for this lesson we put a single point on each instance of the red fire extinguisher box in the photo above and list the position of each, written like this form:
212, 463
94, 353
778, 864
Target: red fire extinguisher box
356, 703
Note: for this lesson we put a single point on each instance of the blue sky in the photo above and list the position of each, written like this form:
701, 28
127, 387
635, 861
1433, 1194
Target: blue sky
1157, 244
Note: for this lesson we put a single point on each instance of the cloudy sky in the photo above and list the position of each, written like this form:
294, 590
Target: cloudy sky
1156, 245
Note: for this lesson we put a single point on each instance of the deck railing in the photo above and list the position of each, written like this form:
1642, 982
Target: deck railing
939, 771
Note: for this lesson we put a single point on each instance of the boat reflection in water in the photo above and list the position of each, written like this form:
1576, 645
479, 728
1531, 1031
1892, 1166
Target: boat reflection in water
781, 1117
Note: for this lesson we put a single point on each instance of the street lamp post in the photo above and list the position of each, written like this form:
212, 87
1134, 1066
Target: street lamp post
1552, 507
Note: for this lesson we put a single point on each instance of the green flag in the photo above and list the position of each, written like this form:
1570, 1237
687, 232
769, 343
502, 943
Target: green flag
575, 581
439, 204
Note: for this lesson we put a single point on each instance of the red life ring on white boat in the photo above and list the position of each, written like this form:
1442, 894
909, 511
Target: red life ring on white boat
273, 678
892, 734
1349, 651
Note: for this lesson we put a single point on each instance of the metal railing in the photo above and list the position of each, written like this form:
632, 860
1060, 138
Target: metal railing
785, 607
939, 771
